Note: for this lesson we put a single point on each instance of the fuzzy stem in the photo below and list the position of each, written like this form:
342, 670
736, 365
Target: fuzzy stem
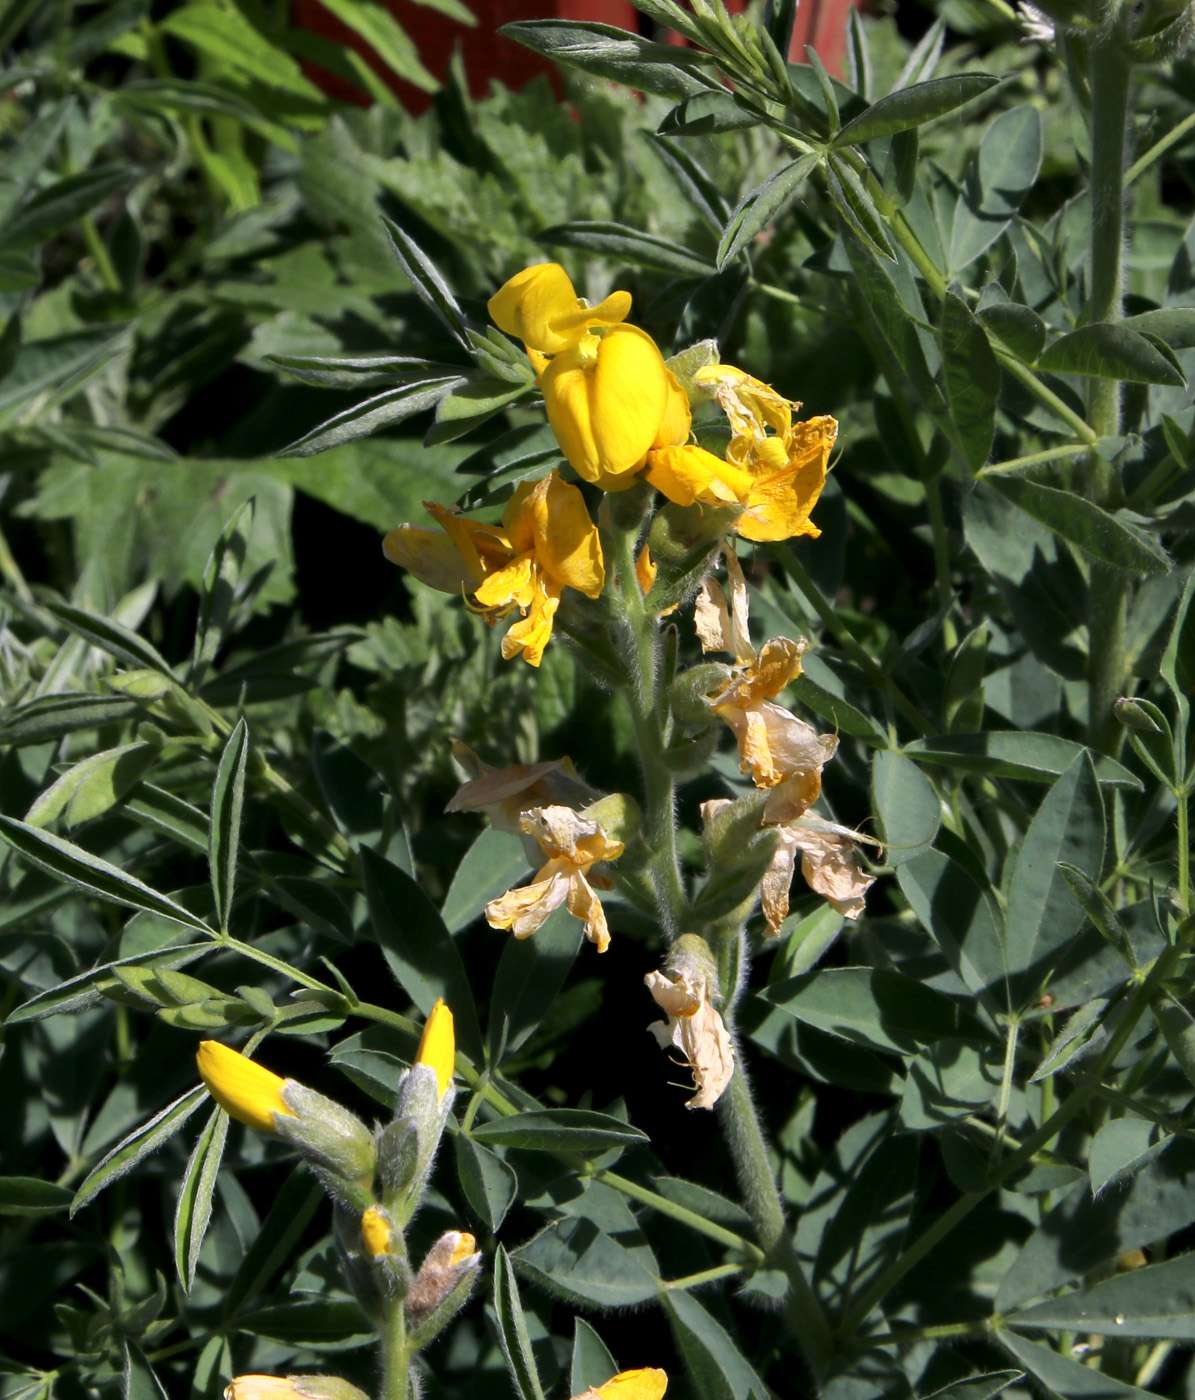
745, 1137
648, 707
395, 1356
1110, 69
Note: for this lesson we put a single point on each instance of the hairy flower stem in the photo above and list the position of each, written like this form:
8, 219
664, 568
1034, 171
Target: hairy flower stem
1110, 70
396, 1360
649, 714
744, 1136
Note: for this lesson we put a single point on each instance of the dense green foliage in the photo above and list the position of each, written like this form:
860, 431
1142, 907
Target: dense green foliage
225, 736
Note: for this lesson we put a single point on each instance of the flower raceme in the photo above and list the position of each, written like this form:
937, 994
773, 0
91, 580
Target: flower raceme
774, 468
609, 396
546, 543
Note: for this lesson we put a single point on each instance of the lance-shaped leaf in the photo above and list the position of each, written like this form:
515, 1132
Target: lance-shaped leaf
629, 244
512, 1330
194, 1210
90, 873
560, 1130
761, 205
382, 411
912, 106
1103, 536
1152, 1302
220, 580
143, 1140
428, 282
228, 799
616, 54
971, 377
1107, 350
110, 636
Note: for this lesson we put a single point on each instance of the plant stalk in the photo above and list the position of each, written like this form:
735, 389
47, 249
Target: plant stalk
396, 1360
745, 1139
1110, 69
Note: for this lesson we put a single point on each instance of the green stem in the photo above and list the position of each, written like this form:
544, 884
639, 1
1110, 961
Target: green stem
99, 254
1159, 149
913, 1254
395, 1356
648, 709
1110, 69
905, 1336
256, 955
1010, 1061
745, 1138
677, 1285
708, 1228
1034, 459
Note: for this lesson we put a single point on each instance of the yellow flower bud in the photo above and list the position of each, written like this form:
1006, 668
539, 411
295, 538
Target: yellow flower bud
465, 1246
375, 1232
438, 1046
647, 1383
261, 1388
244, 1089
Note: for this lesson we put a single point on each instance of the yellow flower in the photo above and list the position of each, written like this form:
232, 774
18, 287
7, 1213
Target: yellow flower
244, 1089
648, 1383
504, 794
546, 543
573, 844
610, 400
609, 396
449, 1263
540, 306
437, 1048
774, 469
375, 1231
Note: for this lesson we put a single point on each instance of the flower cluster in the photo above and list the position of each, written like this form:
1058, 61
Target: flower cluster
781, 752
376, 1180
619, 414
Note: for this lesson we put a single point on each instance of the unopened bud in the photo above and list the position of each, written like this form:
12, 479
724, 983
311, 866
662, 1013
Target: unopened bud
689, 693
292, 1388
425, 1093
375, 1232
618, 815
442, 1284
1141, 715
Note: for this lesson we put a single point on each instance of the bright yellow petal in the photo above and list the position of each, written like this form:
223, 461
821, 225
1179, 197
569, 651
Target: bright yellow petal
541, 307
484, 548
678, 416
430, 555
464, 1246
646, 1384
437, 1047
510, 585
567, 544
566, 386
530, 635
630, 398
689, 474
531, 302
262, 1388
375, 1231
244, 1089
778, 507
